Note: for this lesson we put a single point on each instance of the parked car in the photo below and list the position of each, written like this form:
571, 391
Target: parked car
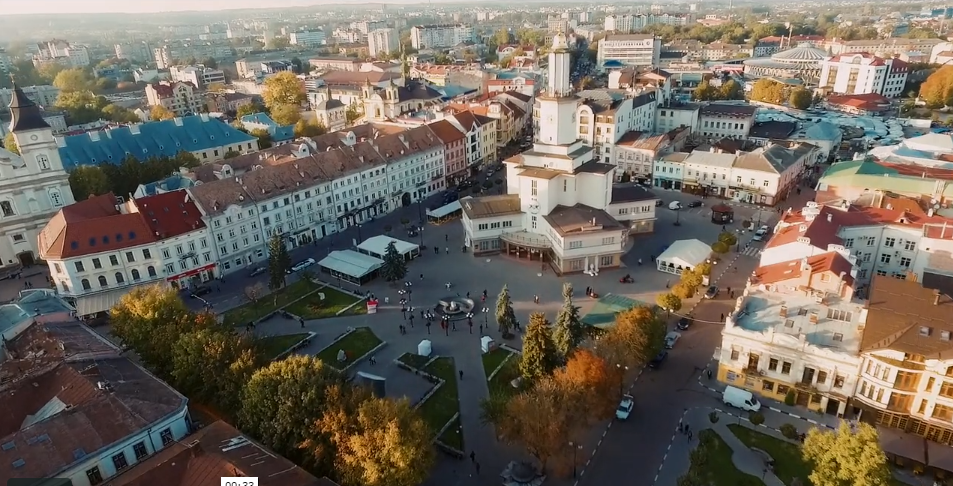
675, 205
659, 203
696, 204
658, 359
625, 407
257, 271
762, 233
738, 398
297, 267
683, 324
200, 291
672, 338
712, 292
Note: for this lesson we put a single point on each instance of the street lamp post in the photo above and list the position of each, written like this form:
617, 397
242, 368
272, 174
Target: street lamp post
678, 214
486, 323
575, 447
359, 238
622, 371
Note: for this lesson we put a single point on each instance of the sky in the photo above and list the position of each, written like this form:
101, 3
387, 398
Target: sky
151, 6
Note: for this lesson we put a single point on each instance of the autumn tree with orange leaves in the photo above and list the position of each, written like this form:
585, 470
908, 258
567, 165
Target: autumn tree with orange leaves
635, 338
588, 377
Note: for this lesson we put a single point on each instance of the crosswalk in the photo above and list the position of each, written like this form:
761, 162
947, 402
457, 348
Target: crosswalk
751, 251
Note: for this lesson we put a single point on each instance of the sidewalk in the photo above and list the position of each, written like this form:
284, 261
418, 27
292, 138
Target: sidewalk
678, 459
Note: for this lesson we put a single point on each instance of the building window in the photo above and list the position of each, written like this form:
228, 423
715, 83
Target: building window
821, 377
79, 267
146, 254
135, 274
120, 279
533, 188
94, 476
55, 197
166, 437
140, 450
102, 281
6, 207
152, 271
890, 242
839, 381
885, 258
786, 368
767, 385
119, 460
909, 245
85, 284
849, 243
783, 389
43, 161
130, 257
905, 262
113, 260
735, 354
839, 315
606, 260
772, 364
575, 244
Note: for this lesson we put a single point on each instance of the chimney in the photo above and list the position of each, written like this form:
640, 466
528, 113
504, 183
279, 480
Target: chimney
813, 317
936, 297
784, 311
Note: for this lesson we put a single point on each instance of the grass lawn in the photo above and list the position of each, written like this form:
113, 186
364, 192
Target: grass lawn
788, 463
355, 344
719, 470
453, 436
493, 359
251, 311
272, 346
500, 384
414, 360
445, 403
334, 301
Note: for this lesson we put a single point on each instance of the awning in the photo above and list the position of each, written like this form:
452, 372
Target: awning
376, 246
103, 301
445, 210
191, 273
351, 263
939, 456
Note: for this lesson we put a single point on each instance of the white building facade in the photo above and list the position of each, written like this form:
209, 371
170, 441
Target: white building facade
440, 36
382, 41
637, 50
863, 73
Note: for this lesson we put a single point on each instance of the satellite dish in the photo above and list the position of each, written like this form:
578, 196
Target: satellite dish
936, 206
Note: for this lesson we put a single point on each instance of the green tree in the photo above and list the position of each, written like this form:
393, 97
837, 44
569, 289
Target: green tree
285, 114
670, 302
104, 84
282, 401
501, 37
231, 154
730, 90
395, 266
720, 247
159, 113
150, 320
10, 143
249, 109
81, 106
88, 180
283, 88
768, 91
569, 331
705, 92
48, 72
119, 114
846, 457
728, 238
71, 80
691, 278
210, 63
264, 138
635, 338
278, 263
539, 357
305, 128
212, 366
800, 98
351, 114
383, 442
505, 317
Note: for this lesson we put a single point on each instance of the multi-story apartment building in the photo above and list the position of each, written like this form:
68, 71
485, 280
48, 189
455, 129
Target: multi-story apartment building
637, 50
134, 51
44, 95
181, 98
382, 41
885, 48
34, 185
365, 27
182, 240
668, 170
480, 132
707, 172
169, 55
604, 117
199, 75
455, 151
5, 63
626, 23
905, 379
311, 38
63, 53
557, 25
637, 151
863, 73
796, 331
718, 121
672, 116
717, 51
440, 36
767, 175
82, 387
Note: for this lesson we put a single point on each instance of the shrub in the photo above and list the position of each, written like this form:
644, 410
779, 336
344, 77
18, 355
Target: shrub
719, 247
713, 417
789, 431
728, 238
756, 418
789, 398
683, 291
404, 221
747, 224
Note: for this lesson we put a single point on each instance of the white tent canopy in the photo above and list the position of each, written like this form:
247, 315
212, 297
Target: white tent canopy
350, 263
683, 255
444, 211
377, 246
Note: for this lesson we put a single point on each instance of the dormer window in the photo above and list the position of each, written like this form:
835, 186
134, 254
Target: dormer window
925, 331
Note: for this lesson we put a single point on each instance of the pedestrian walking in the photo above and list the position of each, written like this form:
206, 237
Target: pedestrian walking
302, 322
728, 289
689, 435
667, 284
411, 320
421, 313
454, 323
536, 299
461, 374
471, 326
722, 317
688, 429
473, 457
709, 373
436, 250
428, 327
446, 237
640, 262
731, 295
421, 276
448, 250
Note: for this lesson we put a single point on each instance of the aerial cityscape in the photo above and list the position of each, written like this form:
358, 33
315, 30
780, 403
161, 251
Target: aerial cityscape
310, 243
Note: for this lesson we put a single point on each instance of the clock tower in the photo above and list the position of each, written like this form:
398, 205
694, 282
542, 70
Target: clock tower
33, 135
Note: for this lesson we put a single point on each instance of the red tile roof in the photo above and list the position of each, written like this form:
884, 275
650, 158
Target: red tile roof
874, 60
170, 214
867, 102
898, 66
922, 171
165, 88
92, 226
821, 231
826, 262
446, 132
212, 452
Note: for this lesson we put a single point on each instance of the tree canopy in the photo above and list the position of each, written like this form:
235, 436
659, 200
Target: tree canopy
846, 457
569, 331
84, 107
159, 113
539, 357
768, 91
304, 128
634, 339
395, 266
10, 143
285, 114
72, 80
123, 179
800, 98
279, 261
505, 317
283, 88
937, 90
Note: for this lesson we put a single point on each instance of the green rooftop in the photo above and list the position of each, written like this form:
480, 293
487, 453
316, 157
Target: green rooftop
603, 313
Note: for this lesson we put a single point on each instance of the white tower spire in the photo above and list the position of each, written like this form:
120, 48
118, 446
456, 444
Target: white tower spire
559, 68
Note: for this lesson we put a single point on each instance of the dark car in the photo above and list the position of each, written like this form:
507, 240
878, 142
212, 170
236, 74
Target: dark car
695, 204
683, 324
257, 271
712, 292
658, 359
200, 290
659, 203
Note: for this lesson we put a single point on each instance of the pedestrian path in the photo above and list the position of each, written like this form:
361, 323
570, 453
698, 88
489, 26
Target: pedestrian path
677, 459
751, 251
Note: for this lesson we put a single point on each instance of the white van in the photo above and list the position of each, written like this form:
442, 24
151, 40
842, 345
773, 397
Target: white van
743, 399
675, 205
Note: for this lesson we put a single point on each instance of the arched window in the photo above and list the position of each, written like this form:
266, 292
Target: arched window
102, 281
135, 274
55, 197
152, 271
119, 278
86, 285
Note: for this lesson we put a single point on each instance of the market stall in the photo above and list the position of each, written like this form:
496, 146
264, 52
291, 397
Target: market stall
351, 266
377, 247
682, 255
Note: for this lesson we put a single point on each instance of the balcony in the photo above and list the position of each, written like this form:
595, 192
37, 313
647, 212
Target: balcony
752, 370
524, 238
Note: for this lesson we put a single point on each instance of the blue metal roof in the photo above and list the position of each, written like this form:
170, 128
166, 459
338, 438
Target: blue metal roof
279, 133
155, 139
451, 91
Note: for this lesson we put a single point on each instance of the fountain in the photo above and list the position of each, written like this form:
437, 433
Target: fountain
454, 307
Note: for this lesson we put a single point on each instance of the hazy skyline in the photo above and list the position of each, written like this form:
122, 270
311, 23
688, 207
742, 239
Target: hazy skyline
19, 7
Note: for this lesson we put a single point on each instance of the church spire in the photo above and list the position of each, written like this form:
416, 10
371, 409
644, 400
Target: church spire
26, 114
